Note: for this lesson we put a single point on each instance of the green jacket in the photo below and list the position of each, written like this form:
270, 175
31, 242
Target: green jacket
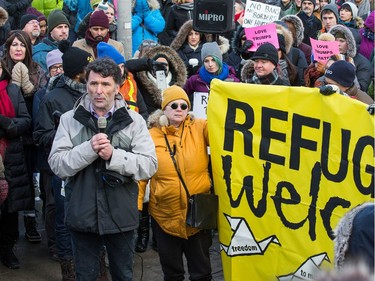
46, 6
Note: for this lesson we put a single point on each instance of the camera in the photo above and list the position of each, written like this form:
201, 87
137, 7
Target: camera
159, 68
103, 5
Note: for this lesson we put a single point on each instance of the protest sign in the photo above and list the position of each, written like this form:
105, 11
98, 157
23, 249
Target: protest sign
257, 14
262, 34
288, 163
322, 50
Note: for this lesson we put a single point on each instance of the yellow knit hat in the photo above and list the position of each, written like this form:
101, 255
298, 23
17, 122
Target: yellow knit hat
174, 93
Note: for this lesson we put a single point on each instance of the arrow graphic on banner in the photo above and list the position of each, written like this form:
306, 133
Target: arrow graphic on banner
307, 270
243, 242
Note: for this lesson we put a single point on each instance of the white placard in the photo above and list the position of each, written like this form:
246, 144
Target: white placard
257, 14
200, 105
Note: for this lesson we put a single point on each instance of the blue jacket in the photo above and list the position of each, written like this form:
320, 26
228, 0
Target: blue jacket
147, 22
76, 11
41, 50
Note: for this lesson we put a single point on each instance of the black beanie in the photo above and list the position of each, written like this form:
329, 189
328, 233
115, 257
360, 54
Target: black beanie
342, 72
74, 59
267, 51
26, 18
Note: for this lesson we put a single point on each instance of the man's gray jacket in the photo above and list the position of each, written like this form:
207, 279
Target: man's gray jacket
94, 202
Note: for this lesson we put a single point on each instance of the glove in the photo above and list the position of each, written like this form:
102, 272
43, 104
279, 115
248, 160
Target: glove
5, 122
157, 65
330, 89
247, 45
20, 77
371, 108
12, 9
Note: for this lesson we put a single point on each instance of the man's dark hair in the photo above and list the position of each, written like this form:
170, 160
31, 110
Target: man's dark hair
105, 67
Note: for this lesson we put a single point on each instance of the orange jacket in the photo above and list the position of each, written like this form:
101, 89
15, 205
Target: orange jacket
168, 199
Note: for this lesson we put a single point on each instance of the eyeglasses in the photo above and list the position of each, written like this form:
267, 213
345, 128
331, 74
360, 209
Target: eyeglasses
149, 44
56, 67
175, 105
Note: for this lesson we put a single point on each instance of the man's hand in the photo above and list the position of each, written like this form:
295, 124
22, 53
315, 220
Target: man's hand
102, 146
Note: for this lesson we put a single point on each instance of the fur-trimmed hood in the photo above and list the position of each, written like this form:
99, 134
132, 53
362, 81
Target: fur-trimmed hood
153, 4
176, 67
247, 71
352, 48
3, 16
359, 22
287, 36
298, 25
343, 233
183, 33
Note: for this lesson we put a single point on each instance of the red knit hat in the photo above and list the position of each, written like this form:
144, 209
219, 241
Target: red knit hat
99, 18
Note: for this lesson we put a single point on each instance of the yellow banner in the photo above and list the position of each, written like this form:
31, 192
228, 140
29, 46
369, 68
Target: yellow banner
288, 162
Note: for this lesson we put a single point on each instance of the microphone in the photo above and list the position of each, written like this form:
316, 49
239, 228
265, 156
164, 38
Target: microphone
102, 124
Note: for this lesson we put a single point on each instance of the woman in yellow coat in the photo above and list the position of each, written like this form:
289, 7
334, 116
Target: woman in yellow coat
188, 141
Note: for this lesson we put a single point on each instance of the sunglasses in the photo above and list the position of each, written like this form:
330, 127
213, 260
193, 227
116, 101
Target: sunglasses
183, 106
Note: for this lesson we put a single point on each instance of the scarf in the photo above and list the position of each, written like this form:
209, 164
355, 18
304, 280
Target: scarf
93, 43
311, 75
348, 23
207, 77
306, 19
168, 78
76, 86
284, 8
368, 33
269, 79
238, 15
6, 109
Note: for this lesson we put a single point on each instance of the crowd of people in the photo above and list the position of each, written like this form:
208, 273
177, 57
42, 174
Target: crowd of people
106, 132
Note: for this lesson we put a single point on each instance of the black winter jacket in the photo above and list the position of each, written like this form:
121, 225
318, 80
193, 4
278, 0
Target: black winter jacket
61, 99
19, 196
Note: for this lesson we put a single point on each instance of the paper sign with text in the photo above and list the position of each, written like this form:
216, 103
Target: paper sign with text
287, 164
257, 14
262, 34
322, 50
200, 105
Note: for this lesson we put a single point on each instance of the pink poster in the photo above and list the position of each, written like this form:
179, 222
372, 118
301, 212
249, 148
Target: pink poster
322, 50
262, 34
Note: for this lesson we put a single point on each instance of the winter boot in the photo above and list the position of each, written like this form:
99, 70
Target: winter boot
67, 269
8, 258
143, 231
31, 233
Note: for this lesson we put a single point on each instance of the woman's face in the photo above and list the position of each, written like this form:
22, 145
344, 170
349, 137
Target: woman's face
210, 65
164, 60
176, 112
110, 12
17, 50
194, 38
263, 67
43, 27
345, 15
